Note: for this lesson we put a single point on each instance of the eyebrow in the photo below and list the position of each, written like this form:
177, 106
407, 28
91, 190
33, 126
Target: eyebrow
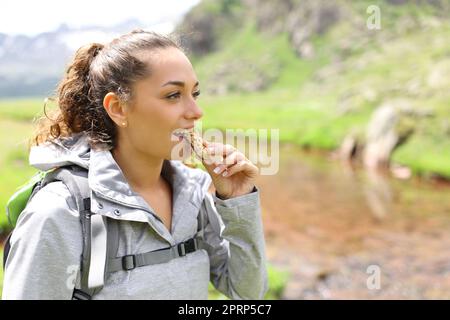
177, 83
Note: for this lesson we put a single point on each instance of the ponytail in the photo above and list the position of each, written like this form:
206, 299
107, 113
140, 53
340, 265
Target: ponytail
74, 90
73, 94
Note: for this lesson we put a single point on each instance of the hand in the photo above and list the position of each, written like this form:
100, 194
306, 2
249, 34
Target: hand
235, 174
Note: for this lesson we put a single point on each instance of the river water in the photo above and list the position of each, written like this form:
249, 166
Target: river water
346, 233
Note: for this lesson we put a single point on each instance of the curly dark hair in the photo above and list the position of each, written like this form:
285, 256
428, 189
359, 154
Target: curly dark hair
96, 70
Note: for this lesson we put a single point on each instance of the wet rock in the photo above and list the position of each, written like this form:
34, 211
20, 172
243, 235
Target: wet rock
381, 137
348, 148
388, 128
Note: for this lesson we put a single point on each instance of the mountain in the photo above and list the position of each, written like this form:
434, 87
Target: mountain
32, 66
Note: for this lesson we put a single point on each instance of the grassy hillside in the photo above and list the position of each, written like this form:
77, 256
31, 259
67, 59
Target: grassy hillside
318, 100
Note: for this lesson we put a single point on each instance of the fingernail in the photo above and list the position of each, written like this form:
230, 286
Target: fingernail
216, 170
225, 174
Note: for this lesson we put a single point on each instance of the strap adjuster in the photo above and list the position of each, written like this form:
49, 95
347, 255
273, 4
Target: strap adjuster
129, 262
80, 295
182, 249
187, 247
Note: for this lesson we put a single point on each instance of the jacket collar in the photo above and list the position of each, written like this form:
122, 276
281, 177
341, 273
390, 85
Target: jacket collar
189, 188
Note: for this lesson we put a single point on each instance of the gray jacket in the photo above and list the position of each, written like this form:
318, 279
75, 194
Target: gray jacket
46, 245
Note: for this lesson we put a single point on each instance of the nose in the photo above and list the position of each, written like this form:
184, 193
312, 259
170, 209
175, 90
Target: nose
193, 111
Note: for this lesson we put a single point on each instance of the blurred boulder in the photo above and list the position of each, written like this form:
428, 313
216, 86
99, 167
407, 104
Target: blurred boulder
349, 148
387, 129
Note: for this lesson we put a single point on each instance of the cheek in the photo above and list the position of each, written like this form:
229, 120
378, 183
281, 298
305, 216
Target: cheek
153, 127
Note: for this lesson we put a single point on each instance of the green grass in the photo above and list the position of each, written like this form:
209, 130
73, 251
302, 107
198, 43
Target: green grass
21, 109
416, 154
306, 124
14, 168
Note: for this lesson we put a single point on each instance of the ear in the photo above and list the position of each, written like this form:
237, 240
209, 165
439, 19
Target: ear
115, 108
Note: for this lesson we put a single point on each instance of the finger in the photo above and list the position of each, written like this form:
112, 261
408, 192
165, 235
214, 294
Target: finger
233, 158
229, 161
238, 167
245, 166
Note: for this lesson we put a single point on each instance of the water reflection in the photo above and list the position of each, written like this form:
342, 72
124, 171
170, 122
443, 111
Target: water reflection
378, 193
329, 222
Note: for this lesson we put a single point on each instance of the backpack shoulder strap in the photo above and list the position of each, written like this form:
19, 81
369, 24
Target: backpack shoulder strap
94, 231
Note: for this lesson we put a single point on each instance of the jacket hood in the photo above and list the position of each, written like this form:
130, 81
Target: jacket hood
71, 150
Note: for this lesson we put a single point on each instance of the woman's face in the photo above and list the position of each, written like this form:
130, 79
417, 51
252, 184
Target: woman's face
163, 102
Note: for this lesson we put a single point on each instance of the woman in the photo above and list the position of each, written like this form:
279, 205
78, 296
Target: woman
118, 107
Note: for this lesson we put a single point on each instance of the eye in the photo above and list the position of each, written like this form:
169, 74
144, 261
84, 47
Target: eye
173, 96
196, 94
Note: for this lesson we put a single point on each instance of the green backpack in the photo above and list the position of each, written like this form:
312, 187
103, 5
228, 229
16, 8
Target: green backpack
19, 199
99, 232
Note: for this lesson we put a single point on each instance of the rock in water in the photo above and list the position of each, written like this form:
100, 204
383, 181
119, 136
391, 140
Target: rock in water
382, 137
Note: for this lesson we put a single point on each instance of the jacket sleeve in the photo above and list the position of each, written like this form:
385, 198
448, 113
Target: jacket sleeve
43, 262
235, 244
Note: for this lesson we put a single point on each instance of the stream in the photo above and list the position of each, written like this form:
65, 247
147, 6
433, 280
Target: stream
345, 233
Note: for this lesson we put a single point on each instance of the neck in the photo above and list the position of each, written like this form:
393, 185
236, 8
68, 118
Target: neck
141, 171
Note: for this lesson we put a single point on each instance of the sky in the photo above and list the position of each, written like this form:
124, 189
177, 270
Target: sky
31, 17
